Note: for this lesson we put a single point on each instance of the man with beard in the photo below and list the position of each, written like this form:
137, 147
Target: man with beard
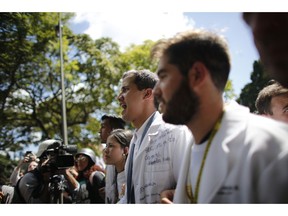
237, 157
156, 148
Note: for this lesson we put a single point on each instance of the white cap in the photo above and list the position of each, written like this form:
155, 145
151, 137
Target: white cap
44, 146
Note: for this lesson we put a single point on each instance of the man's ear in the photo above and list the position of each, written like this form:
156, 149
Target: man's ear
197, 74
148, 93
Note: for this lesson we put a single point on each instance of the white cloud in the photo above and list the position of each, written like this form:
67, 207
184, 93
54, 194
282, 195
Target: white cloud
132, 27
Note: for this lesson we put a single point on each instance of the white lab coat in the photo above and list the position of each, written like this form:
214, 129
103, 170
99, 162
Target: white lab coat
247, 162
110, 184
157, 163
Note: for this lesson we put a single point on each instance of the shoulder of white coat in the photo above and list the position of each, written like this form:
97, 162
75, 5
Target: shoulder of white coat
270, 126
253, 123
183, 128
267, 132
234, 106
178, 130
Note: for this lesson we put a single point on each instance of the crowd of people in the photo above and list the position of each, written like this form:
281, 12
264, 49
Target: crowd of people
188, 145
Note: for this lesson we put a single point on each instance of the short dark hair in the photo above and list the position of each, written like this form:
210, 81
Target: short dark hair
114, 121
186, 48
263, 101
143, 79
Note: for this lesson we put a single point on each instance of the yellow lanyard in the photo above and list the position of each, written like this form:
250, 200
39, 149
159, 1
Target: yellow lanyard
194, 198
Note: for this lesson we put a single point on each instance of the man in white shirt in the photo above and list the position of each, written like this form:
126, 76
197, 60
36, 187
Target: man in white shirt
237, 157
158, 146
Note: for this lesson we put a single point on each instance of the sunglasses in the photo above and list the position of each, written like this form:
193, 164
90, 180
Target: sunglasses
80, 158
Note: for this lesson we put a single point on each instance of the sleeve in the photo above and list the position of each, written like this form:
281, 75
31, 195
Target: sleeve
8, 193
27, 186
98, 181
14, 176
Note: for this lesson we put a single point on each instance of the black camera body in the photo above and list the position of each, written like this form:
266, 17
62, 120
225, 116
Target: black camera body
61, 156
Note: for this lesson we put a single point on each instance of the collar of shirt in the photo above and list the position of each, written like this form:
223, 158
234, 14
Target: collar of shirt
138, 135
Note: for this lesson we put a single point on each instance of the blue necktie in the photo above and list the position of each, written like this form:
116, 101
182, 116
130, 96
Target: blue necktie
130, 188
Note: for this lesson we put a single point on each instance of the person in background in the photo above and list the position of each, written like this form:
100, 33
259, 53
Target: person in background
270, 33
236, 156
272, 101
6, 194
115, 154
108, 123
29, 159
90, 177
156, 149
33, 187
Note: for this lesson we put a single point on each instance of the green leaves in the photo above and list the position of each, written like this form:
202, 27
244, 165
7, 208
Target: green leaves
250, 91
30, 92
30, 80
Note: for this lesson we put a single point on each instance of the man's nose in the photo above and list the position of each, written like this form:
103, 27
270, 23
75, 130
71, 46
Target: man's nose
156, 90
119, 97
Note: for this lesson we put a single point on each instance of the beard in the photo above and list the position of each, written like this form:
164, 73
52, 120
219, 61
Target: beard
183, 105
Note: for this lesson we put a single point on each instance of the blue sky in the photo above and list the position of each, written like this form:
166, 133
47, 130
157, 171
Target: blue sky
135, 27
133, 21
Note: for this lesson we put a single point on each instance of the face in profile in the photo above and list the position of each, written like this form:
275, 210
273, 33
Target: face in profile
81, 162
178, 102
105, 130
113, 152
270, 33
131, 100
182, 107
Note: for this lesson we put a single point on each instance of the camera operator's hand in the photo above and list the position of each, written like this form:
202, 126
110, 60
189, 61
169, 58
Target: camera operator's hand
71, 175
72, 171
21, 162
25, 160
17, 174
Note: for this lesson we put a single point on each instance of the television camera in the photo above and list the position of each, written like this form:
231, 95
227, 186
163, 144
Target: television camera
60, 157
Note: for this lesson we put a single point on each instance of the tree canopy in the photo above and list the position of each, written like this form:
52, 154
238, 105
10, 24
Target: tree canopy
249, 93
30, 80
30, 88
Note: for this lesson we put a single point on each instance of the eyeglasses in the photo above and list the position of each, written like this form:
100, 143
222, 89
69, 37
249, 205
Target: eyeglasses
80, 158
